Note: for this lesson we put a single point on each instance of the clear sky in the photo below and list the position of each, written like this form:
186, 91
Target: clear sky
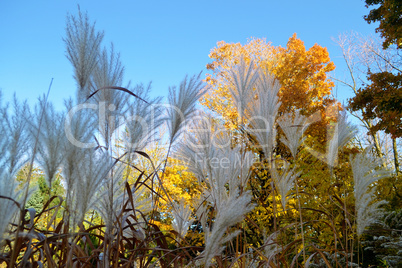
159, 41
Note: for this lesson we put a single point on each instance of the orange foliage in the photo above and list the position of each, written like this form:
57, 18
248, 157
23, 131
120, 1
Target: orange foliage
302, 73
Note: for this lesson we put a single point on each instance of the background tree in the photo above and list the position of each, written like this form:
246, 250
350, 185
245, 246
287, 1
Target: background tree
388, 13
374, 77
382, 100
41, 197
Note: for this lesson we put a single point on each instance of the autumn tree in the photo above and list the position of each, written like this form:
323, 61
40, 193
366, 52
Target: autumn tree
375, 79
382, 99
302, 73
388, 13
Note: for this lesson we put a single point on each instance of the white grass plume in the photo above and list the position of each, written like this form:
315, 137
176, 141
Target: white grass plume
110, 198
293, 126
284, 181
366, 171
343, 133
229, 213
182, 104
181, 218
92, 173
13, 146
113, 103
271, 247
142, 120
50, 151
142, 203
242, 80
196, 147
109, 71
209, 154
8, 209
82, 45
79, 130
262, 114
14, 128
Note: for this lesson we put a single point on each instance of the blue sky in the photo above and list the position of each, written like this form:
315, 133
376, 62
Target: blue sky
160, 41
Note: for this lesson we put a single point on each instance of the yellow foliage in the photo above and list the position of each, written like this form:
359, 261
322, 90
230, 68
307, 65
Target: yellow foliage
179, 183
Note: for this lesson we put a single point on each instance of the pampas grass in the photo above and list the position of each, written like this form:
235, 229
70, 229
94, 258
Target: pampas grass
343, 133
181, 218
284, 181
14, 127
110, 216
13, 144
83, 45
182, 104
230, 212
262, 115
142, 121
92, 174
293, 126
242, 79
366, 171
50, 140
9, 198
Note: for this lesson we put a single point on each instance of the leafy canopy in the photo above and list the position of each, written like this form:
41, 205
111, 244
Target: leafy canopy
389, 14
382, 99
302, 74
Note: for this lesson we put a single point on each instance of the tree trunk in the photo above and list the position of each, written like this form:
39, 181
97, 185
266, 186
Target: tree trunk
396, 160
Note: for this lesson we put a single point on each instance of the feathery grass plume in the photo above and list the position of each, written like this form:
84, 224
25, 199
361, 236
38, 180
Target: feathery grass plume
239, 164
50, 140
82, 44
8, 208
79, 127
242, 80
229, 213
92, 173
142, 120
181, 218
293, 125
110, 198
284, 181
112, 103
13, 146
109, 71
142, 200
15, 129
234, 163
343, 133
367, 170
182, 104
195, 149
208, 153
262, 114
202, 154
